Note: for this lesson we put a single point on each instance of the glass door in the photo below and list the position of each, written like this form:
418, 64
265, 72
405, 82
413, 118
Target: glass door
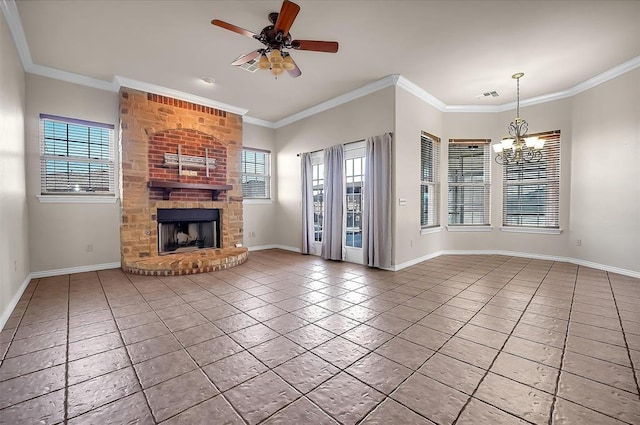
354, 192
318, 202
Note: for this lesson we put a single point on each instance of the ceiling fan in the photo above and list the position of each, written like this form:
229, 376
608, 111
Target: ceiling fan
276, 38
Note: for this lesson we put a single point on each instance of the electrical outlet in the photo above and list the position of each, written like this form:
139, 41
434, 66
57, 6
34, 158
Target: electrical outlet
89, 248
15, 265
578, 242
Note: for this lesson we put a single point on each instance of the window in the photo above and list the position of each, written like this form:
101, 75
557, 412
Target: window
532, 189
256, 177
354, 178
469, 182
76, 157
318, 199
429, 180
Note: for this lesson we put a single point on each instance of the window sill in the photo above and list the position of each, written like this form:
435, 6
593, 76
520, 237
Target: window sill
429, 230
539, 230
62, 199
252, 201
469, 228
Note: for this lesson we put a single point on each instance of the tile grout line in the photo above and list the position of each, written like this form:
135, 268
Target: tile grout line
624, 335
393, 286
344, 369
306, 350
198, 367
123, 343
438, 350
564, 349
500, 350
15, 332
268, 369
452, 335
66, 363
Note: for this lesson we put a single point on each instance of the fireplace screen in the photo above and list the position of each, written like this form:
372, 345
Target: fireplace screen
186, 229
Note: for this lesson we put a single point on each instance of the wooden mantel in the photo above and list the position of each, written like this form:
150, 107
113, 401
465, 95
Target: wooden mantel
169, 186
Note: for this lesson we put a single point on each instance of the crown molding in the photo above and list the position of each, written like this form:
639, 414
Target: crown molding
421, 94
70, 77
176, 94
607, 75
257, 121
388, 81
10, 11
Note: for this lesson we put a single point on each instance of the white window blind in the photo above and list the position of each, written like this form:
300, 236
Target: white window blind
531, 190
256, 176
76, 157
469, 191
429, 180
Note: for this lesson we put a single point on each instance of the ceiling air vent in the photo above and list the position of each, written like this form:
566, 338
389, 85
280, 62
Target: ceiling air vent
251, 66
492, 93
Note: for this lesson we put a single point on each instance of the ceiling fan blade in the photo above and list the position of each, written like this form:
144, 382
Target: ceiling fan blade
231, 27
295, 72
287, 15
246, 58
316, 46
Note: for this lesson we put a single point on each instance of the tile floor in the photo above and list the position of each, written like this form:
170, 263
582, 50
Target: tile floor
291, 339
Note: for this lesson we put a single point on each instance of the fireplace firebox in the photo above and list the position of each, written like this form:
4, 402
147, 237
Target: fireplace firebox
187, 229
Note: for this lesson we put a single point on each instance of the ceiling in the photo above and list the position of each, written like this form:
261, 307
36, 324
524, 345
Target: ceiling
454, 50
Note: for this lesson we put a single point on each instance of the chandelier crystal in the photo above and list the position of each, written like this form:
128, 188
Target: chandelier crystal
517, 148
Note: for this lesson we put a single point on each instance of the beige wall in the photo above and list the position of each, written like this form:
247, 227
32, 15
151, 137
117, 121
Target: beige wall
412, 117
356, 120
605, 183
14, 244
548, 116
259, 215
60, 233
600, 195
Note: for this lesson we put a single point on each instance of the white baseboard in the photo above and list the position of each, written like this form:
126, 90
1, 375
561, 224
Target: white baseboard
274, 246
14, 301
396, 267
577, 261
71, 270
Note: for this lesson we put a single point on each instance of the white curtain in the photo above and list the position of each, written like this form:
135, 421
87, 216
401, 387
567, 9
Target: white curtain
307, 203
376, 226
332, 237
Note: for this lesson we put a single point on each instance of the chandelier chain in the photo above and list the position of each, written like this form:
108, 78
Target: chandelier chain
518, 98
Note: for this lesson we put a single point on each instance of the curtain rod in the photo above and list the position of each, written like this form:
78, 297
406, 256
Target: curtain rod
348, 143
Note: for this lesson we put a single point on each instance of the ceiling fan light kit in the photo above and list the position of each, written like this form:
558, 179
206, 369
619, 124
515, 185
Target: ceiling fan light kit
517, 148
277, 38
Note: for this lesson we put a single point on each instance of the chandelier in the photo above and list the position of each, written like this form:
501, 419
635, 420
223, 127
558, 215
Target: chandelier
517, 148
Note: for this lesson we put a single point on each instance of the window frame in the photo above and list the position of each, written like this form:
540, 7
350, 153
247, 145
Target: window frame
433, 171
552, 179
107, 160
266, 175
484, 146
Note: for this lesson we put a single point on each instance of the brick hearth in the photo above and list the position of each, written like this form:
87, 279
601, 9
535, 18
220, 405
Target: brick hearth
200, 261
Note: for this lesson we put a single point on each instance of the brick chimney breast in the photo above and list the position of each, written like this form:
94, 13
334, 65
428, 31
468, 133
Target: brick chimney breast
152, 126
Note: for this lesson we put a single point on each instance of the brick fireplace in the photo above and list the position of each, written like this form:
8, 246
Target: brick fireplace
181, 156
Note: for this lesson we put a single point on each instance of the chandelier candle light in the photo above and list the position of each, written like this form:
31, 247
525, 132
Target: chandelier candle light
518, 148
